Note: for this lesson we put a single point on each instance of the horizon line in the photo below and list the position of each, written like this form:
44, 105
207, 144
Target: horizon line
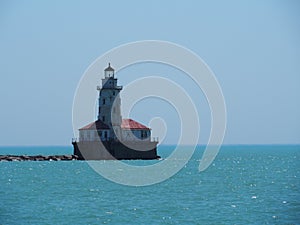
239, 144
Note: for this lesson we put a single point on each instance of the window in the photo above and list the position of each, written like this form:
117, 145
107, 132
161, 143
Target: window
103, 101
114, 93
103, 118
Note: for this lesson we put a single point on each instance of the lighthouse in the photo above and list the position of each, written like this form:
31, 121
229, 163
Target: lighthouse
111, 136
109, 110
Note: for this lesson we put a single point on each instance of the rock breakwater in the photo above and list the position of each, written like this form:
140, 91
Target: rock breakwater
38, 157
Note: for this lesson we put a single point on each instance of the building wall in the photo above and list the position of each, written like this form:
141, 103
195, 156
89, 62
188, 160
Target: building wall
126, 135
92, 135
136, 134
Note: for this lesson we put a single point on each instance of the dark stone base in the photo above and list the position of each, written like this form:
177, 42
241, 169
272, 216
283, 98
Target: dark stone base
113, 150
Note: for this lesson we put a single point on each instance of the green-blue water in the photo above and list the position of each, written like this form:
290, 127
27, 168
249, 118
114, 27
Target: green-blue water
244, 185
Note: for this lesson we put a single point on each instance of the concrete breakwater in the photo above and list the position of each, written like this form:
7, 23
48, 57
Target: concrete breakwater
38, 158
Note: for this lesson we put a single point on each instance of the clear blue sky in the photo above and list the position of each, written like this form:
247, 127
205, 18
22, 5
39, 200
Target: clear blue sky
253, 47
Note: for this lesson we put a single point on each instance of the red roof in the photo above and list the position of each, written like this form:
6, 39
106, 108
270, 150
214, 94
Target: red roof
133, 125
96, 125
126, 124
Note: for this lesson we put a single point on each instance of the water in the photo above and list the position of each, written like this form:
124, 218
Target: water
244, 185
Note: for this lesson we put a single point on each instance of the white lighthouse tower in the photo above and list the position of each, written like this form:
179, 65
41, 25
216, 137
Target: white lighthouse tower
110, 103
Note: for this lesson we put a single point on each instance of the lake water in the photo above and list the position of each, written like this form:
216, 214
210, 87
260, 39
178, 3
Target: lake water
244, 185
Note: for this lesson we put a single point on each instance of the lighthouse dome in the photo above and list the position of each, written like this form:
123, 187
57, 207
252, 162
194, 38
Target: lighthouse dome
109, 68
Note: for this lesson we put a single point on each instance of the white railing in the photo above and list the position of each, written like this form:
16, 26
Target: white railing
155, 139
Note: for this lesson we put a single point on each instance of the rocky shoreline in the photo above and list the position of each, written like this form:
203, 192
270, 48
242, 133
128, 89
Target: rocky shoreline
38, 158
